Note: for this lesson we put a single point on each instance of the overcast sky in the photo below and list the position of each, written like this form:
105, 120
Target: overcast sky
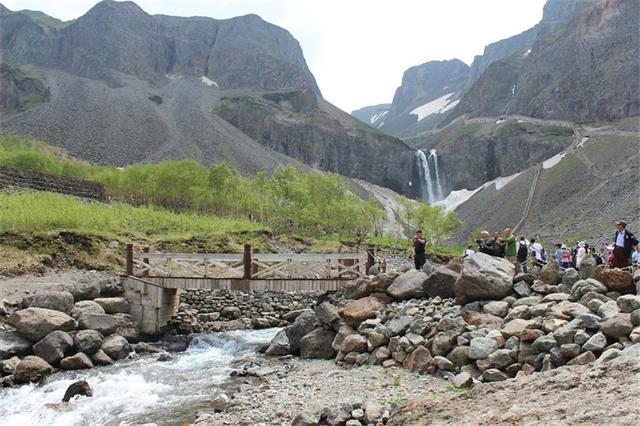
357, 49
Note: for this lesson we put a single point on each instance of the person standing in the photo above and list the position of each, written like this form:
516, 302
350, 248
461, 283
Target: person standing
558, 254
623, 244
536, 250
581, 254
497, 245
523, 253
635, 257
509, 242
419, 250
484, 244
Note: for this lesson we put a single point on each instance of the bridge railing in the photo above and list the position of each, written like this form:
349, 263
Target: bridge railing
249, 265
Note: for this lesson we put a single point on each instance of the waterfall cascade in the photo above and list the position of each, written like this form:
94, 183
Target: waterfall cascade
429, 180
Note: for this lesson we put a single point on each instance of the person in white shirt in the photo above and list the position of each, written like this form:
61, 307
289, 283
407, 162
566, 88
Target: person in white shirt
536, 249
635, 257
581, 254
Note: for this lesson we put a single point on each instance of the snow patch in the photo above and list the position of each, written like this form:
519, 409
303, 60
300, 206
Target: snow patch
461, 196
527, 53
380, 125
378, 116
438, 106
208, 82
549, 163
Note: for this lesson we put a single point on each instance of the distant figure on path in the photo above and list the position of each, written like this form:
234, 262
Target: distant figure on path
623, 244
523, 253
419, 248
509, 246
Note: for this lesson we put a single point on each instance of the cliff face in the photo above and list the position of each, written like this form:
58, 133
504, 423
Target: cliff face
19, 91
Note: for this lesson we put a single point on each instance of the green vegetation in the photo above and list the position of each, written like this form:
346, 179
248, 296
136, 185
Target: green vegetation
436, 225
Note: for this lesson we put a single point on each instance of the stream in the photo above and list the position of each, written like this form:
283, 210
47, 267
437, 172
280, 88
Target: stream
138, 391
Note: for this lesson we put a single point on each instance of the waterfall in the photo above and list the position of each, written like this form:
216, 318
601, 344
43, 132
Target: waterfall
434, 155
425, 176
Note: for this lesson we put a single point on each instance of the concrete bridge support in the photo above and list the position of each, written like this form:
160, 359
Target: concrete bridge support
151, 306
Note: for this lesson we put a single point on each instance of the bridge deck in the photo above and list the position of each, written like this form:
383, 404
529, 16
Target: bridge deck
243, 284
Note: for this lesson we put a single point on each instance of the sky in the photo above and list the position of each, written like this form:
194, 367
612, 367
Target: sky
356, 49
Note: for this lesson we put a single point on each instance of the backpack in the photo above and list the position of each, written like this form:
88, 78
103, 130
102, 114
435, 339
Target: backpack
522, 251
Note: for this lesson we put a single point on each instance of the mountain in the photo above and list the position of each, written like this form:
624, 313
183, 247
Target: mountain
372, 115
126, 87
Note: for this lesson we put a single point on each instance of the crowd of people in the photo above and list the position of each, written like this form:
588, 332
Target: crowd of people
624, 252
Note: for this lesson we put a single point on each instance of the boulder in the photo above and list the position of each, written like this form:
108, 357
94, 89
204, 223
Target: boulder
55, 300
32, 369
496, 308
303, 325
587, 268
463, 380
113, 305
515, 327
442, 343
279, 345
12, 344
328, 315
231, 312
482, 347
583, 358
381, 283
418, 361
596, 343
116, 347
500, 359
83, 289
380, 355
53, 347
478, 319
79, 361
356, 289
484, 277
359, 310
104, 323
86, 307
127, 327
459, 356
88, 341
101, 358
628, 303
398, 325
522, 289
550, 274
219, 403
583, 287
570, 277
616, 279
8, 366
35, 323
409, 285
441, 282
617, 326
80, 387
317, 344
353, 343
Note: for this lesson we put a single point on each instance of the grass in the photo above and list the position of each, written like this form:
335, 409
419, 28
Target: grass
32, 212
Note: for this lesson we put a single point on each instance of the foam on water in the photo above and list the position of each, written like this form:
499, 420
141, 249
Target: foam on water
137, 391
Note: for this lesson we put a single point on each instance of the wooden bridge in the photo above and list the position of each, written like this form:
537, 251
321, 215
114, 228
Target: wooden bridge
153, 281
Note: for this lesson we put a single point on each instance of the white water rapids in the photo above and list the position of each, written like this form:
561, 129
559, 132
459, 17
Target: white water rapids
137, 391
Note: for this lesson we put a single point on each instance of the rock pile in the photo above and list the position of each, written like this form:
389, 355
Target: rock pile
497, 326
348, 414
72, 329
216, 310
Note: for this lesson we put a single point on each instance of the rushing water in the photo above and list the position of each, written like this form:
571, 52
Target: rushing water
426, 186
433, 154
137, 391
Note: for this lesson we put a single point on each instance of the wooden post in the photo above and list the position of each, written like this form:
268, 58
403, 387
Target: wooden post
247, 262
146, 260
371, 260
130, 259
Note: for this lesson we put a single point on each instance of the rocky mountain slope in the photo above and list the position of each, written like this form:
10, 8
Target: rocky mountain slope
128, 87
373, 115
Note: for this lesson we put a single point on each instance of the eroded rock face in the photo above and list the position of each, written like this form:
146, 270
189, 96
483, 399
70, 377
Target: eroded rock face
35, 323
484, 277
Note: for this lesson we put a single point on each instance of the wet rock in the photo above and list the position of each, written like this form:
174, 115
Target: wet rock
32, 369
116, 347
142, 347
441, 282
12, 343
101, 358
55, 300
165, 357
88, 341
86, 307
317, 344
409, 285
78, 361
113, 305
359, 310
177, 343
8, 366
35, 323
105, 324
219, 403
79, 388
53, 347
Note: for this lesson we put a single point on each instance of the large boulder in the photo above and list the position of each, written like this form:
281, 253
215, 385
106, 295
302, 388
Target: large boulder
380, 283
616, 279
484, 277
56, 300
79, 361
86, 307
328, 315
441, 282
88, 341
317, 344
105, 324
32, 369
53, 347
353, 343
303, 325
587, 268
84, 289
419, 360
550, 274
116, 347
8, 366
36, 323
409, 285
101, 358
583, 287
570, 277
113, 305
12, 344
359, 310
279, 345
482, 347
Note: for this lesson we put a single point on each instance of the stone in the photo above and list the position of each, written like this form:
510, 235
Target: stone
478, 319
552, 324
628, 303
500, 359
317, 344
494, 375
305, 419
526, 301
530, 334
8, 366
398, 325
522, 289
328, 314
380, 355
353, 422
581, 337
596, 343
304, 324
165, 357
279, 345
88, 341
455, 324
582, 287
609, 354
219, 403
32, 369
418, 361
583, 358
608, 310
55, 300
83, 290
113, 305
380, 283
515, 327
463, 380
443, 363
635, 317
12, 343
35, 323
291, 316
104, 323
522, 277
231, 312
550, 274
587, 268
543, 343
79, 388
78, 361
53, 347
499, 308
618, 326
570, 277
116, 347
616, 279
441, 282
459, 356
442, 343
409, 285
482, 347
359, 310
86, 307
101, 358
556, 297
566, 332
354, 343
589, 321
375, 340
484, 277
373, 411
